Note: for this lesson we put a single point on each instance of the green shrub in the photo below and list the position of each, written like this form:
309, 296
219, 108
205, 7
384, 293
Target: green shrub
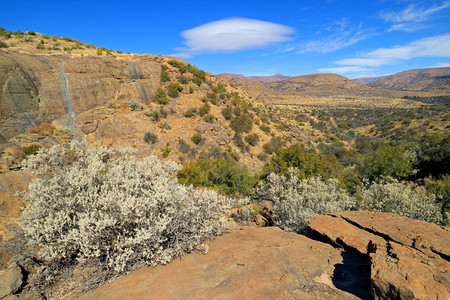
3, 44
252, 139
183, 80
180, 66
183, 146
152, 114
164, 75
161, 96
32, 149
238, 140
433, 155
274, 145
204, 110
99, 51
209, 119
150, 137
387, 160
306, 164
134, 105
31, 32
224, 175
211, 97
174, 89
221, 88
242, 124
441, 189
197, 81
265, 128
227, 113
196, 138
166, 152
190, 113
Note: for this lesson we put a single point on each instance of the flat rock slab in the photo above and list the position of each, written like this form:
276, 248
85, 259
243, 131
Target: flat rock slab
409, 258
246, 263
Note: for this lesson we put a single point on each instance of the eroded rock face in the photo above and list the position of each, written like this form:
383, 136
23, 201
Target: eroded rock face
247, 263
34, 89
409, 258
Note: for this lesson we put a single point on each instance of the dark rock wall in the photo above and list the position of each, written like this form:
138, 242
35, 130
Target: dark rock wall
32, 86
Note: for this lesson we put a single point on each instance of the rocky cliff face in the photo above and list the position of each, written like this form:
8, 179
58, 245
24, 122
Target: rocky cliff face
44, 88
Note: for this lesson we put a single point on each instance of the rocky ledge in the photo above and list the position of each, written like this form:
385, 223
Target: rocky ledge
409, 259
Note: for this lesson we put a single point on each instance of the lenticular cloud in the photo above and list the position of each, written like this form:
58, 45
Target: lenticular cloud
231, 35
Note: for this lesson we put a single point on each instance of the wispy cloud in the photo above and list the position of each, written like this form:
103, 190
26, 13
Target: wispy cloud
341, 35
436, 46
411, 18
442, 65
345, 70
232, 35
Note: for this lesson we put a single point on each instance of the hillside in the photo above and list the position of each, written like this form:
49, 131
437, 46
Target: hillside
262, 79
367, 80
53, 96
420, 80
319, 90
321, 85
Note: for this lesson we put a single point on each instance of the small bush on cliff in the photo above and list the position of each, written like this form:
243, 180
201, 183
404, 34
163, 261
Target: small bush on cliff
111, 210
31, 149
135, 105
241, 124
296, 201
161, 97
174, 89
150, 137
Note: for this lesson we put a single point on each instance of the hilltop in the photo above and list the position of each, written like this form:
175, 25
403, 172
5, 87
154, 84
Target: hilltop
435, 80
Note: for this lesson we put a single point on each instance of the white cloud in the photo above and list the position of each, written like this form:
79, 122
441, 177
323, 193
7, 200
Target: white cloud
441, 65
232, 35
345, 70
436, 46
410, 19
341, 36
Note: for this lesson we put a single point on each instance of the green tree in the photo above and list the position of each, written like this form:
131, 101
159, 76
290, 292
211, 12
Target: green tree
433, 156
306, 164
386, 160
224, 175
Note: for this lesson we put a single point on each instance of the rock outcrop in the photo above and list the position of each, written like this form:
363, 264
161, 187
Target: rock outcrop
409, 258
45, 88
247, 263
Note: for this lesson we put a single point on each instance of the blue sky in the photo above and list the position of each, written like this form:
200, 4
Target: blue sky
350, 38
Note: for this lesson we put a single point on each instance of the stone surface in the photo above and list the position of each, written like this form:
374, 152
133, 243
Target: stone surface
409, 258
10, 281
33, 86
10, 210
247, 263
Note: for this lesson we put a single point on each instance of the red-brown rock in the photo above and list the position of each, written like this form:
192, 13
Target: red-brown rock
409, 258
247, 263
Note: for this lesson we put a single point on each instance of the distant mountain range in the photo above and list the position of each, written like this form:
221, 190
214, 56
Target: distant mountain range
432, 80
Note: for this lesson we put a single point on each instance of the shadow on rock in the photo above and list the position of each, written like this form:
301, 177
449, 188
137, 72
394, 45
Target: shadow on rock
353, 275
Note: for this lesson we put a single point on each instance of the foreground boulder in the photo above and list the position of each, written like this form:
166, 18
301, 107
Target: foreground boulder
409, 258
247, 263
